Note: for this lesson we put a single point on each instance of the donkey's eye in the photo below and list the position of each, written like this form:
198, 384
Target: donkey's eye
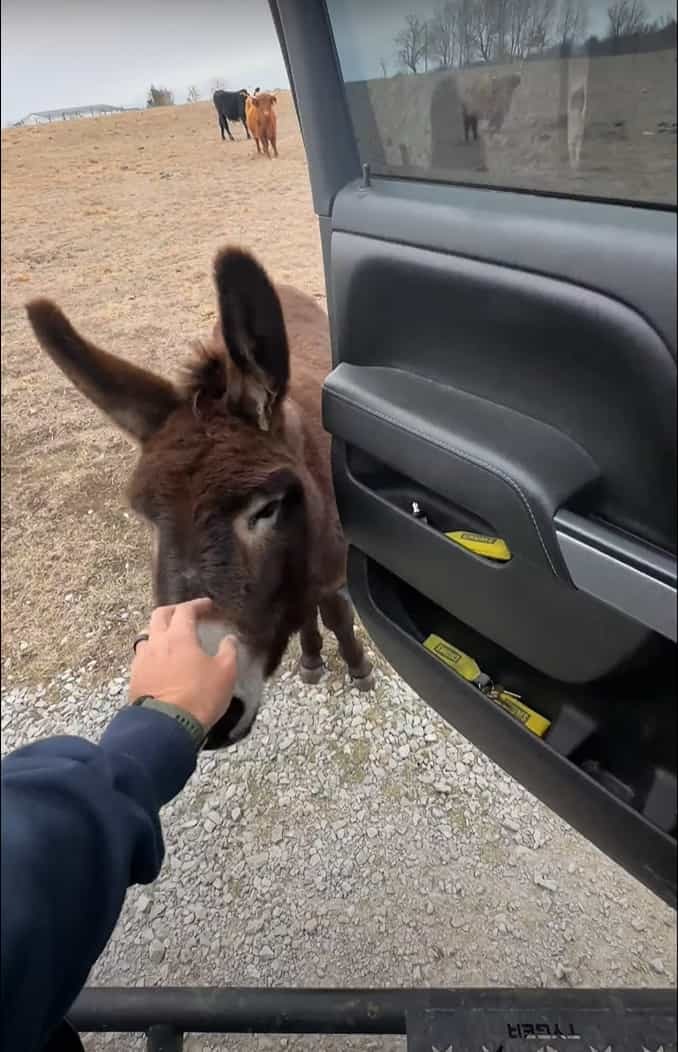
267, 511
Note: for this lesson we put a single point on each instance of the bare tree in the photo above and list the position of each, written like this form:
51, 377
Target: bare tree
540, 24
217, 84
516, 29
426, 53
626, 17
159, 97
500, 30
485, 28
443, 34
412, 43
193, 94
572, 22
383, 67
465, 37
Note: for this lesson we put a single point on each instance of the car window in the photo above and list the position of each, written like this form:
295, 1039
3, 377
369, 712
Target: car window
564, 96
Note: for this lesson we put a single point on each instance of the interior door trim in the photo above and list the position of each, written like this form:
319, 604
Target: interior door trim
638, 582
627, 253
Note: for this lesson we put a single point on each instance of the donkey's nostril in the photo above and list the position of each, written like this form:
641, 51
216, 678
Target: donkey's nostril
220, 735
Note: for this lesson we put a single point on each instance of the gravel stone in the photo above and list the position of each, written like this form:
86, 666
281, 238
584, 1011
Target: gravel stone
332, 862
545, 882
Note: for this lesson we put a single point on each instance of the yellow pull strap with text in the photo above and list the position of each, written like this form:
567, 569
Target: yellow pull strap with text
480, 544
456, 659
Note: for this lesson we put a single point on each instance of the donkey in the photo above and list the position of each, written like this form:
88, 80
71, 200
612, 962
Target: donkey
234, 477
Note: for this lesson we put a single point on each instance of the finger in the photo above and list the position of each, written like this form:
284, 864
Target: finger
227, 654
187, 614
160, 619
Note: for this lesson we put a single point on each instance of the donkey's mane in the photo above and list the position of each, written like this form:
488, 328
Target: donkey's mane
205, 374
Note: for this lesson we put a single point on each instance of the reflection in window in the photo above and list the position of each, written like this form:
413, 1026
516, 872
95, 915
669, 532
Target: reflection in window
553, 95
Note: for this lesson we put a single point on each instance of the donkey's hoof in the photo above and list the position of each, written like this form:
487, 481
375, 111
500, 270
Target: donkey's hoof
311, 676
363, 683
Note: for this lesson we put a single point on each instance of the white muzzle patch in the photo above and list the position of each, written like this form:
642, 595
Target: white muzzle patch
250, 683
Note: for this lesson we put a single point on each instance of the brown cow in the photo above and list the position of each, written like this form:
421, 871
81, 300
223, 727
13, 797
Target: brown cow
262, 121
234, 476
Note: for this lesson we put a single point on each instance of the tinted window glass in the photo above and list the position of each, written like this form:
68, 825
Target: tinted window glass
550, 95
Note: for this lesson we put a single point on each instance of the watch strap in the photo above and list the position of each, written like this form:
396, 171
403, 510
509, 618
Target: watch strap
193, 727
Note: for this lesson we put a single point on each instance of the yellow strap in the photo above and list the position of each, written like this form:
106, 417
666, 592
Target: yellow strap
480, 544
466, 667
454, 658
527, 716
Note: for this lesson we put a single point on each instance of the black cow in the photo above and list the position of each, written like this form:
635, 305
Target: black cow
230, 106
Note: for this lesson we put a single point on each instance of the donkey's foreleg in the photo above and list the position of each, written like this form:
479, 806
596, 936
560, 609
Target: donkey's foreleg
311, 666
337, 614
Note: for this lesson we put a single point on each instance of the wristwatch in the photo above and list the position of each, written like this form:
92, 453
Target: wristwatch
193, 727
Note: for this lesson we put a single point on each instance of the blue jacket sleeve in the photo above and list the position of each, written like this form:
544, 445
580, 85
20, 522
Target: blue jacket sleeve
80, 824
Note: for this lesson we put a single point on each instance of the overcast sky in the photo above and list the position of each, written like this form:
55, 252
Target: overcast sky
72, 52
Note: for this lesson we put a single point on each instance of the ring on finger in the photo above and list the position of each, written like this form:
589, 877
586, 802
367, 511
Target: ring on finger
143, 637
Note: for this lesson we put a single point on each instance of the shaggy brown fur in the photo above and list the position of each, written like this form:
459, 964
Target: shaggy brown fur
262, 121
234, 472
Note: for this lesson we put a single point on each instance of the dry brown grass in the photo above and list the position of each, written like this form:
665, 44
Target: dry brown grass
117, 219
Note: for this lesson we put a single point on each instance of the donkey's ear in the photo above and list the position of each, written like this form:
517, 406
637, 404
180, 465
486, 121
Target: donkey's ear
137, 401
254, 333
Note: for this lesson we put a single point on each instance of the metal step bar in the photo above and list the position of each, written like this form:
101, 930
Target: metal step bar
434, 1020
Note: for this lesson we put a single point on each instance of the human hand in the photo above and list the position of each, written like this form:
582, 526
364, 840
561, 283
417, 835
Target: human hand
172, 666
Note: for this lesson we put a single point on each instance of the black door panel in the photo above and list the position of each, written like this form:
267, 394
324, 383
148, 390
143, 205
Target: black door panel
516, 605
396, 619
543, 413
510, 469
629, 254
504, 364
567, 356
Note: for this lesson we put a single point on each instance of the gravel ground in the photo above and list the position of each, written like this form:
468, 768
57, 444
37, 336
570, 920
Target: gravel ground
357, 840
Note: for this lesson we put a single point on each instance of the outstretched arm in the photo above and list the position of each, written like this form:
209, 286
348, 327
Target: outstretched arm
81, 823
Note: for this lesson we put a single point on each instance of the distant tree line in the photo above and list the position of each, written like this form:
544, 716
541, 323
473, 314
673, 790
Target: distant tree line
465, 32
159, 97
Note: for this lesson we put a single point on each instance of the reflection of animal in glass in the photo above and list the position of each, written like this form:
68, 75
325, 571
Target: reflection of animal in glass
449, 152
470, 123
487, 98
577, 105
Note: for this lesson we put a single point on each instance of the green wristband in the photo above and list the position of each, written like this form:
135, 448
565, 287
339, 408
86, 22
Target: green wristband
193, 727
